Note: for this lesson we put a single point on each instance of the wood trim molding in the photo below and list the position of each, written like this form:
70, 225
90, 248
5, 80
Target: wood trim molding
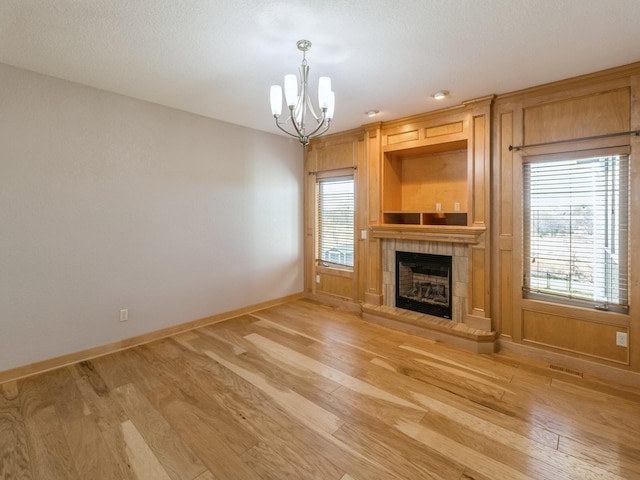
589, 79
71, 358
334, 301
614, 373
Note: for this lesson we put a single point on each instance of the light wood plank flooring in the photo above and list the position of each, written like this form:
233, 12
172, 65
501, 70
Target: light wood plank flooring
302, 391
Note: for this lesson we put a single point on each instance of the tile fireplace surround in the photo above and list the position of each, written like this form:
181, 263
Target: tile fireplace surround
455, 332
460, 261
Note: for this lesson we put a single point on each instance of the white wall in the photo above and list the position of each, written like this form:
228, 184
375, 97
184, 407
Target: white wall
107, 202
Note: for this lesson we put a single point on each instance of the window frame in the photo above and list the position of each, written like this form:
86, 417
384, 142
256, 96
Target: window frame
529, 292
331, 176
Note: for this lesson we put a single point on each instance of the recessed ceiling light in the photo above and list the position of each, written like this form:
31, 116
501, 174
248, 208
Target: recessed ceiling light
372, 113
441, 95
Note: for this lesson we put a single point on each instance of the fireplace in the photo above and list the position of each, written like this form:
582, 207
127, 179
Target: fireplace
423, 283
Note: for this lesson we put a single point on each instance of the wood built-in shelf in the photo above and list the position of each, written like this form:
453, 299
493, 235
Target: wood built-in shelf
425, 218
427, 186
429, 233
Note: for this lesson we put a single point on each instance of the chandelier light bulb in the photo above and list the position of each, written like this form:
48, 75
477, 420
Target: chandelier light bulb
324, 91
332, 105
276, 100
291, 89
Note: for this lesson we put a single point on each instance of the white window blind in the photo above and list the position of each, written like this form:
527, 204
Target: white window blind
576, 215
335, 217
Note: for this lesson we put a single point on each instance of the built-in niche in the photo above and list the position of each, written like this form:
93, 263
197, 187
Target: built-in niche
426, 185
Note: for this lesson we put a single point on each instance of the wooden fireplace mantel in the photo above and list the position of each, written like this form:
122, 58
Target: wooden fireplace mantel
429, 233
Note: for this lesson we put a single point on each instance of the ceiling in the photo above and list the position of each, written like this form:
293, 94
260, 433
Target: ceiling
218, 58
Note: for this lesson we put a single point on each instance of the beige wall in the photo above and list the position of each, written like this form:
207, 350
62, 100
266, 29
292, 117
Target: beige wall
107, 203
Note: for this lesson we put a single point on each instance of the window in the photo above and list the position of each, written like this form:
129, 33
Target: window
576, 215
335, 215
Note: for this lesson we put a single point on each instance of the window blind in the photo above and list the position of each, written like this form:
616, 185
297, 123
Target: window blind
335, 221
576, 215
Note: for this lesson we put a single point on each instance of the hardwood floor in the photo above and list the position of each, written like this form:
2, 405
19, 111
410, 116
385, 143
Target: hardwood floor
303, 391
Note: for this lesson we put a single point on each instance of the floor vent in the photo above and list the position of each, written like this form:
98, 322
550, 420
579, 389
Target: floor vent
568, 371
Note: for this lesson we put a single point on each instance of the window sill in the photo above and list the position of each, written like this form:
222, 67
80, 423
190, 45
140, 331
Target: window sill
581, 313
336, 271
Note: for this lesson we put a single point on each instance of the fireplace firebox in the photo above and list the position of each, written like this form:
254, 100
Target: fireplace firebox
423, 283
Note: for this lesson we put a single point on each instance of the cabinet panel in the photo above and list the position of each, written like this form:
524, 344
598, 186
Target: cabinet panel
339, 285
321, 157
480, 177
574, 335
457, 127
478, 296
402, 137
391, 184
505, 293
598, 114
505, 175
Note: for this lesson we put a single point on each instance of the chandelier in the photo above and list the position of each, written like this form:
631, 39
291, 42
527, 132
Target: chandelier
303, 122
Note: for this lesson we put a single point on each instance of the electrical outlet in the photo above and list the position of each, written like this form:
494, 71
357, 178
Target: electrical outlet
317, 278
456, 206
438, 207
621, 339
124, 315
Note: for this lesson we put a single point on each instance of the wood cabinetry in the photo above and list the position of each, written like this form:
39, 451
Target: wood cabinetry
575, 115
431, 178
433, 186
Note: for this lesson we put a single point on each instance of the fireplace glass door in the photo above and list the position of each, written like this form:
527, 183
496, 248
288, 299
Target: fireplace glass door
423, 283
